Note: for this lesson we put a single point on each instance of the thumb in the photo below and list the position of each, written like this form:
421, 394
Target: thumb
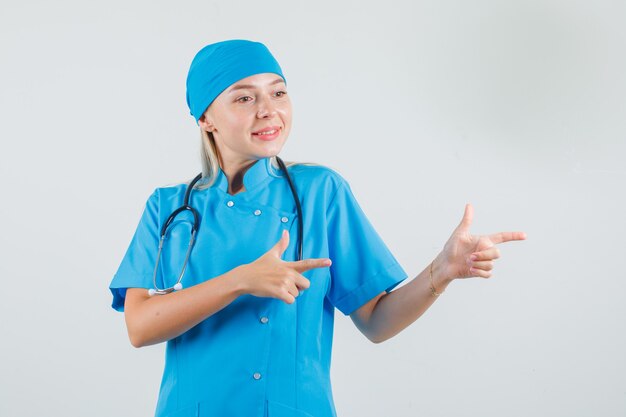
279, 248
467, 218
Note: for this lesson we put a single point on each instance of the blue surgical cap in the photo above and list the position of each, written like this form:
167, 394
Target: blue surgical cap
219, 65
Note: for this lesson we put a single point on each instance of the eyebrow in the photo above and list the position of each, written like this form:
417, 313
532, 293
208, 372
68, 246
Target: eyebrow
249, 86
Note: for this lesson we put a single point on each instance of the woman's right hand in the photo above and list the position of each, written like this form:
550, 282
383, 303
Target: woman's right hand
270, 276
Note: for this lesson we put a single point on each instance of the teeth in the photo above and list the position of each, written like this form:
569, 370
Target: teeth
269, 132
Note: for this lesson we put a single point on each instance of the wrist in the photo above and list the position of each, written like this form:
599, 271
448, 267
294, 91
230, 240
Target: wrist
441, 278
235, 278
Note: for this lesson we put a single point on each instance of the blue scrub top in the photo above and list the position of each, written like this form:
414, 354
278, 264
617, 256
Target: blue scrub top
259, 356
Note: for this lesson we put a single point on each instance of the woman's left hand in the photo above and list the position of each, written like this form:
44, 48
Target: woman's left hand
465, 255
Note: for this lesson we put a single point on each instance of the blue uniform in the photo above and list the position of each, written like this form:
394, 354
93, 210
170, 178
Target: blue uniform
259, 356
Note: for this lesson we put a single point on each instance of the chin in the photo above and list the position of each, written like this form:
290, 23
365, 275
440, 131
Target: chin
267, 153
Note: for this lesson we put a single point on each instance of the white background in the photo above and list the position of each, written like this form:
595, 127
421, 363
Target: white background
515, 106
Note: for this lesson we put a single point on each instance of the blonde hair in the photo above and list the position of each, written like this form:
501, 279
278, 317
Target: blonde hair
208, 158
211, 164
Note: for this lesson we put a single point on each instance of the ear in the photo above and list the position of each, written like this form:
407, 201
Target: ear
206, 124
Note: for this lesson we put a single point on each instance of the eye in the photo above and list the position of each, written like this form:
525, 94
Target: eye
244, 99
281, 93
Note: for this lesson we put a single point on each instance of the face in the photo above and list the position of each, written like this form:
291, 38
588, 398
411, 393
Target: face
250, 120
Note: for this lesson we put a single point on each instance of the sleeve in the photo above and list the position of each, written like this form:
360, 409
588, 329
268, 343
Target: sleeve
137, 266
362, 265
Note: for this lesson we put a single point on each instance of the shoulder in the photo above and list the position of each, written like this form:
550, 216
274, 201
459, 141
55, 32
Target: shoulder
316, 178
167, 195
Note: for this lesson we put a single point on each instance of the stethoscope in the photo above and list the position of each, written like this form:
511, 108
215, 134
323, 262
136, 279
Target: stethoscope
196, 224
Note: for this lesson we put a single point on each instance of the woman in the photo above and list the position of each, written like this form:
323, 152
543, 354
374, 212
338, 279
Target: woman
250, 333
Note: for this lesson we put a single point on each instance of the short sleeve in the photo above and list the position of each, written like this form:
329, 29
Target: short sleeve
362, 265
137, 266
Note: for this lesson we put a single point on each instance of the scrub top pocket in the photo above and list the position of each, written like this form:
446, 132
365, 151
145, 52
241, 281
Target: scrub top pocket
275, 409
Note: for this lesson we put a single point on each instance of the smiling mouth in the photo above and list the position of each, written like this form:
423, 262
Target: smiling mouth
266, 132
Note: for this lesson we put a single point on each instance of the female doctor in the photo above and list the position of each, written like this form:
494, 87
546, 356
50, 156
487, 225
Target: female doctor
249, 326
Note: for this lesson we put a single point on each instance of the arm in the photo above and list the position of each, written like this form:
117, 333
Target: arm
389, 313
155, 319
463, 256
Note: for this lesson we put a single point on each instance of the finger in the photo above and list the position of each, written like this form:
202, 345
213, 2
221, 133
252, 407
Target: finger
480, 273
293, 290
301, 282
288, 298
507, 236
485, 255
468, 215
307, 264
482, 265
279, 248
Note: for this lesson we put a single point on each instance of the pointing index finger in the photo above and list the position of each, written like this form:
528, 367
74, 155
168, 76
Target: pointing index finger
507, 237
306, 264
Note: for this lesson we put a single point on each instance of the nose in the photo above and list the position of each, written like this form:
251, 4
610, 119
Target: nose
266, 108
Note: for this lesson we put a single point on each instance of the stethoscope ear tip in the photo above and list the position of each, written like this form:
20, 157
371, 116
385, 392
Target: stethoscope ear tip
178, 286
151, 292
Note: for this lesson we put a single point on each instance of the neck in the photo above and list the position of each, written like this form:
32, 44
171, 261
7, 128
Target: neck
234, 172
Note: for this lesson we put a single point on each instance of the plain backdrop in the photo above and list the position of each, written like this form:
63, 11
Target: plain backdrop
518, 107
